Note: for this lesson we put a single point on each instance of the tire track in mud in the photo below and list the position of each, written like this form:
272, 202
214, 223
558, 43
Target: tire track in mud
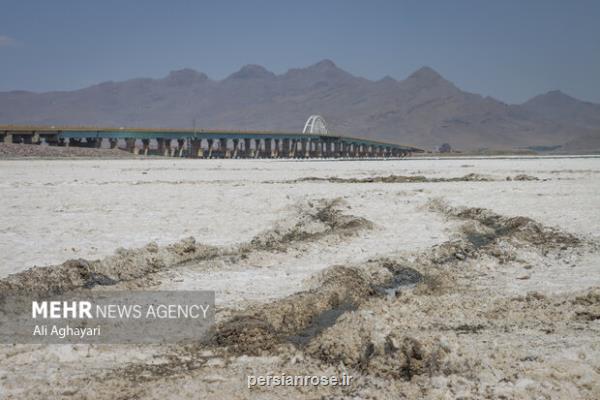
312, 222
338, 321
402, 356
303, 318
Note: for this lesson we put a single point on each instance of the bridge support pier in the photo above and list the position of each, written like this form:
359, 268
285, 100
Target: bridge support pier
145, 146
210, 143
130, 145
8, 137
295, 146
195, 148
285, 148
236, 143
257, 148
268, 151
223, 150
315, 150
247, 148
336, 149
164, 147
180, 147
302, 143
160, 146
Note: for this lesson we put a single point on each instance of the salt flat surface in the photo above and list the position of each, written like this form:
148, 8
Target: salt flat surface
54, 210
57, 210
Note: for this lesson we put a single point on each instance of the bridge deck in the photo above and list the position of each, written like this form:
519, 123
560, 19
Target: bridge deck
229, 143
167, 133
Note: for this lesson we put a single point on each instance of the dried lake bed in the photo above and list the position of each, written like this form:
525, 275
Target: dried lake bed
493, 266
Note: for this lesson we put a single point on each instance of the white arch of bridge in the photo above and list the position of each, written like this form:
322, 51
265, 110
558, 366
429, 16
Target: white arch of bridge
315, 124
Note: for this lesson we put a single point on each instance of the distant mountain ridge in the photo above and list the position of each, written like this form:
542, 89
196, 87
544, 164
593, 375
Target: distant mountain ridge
424, 109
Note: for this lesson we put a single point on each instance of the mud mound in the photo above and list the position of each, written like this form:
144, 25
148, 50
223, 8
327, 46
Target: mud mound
299, 318
523, 229
518, 229
472, 177
400, 276
587, 306
404, 357
374, 179
358, 341
522, 177
246, 334
291, 319
394, 179
314, 220
125, 265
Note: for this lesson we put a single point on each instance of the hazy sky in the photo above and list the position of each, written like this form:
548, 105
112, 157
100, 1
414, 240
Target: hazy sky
511, 50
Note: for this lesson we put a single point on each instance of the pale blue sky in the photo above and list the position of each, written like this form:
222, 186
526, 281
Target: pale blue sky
511, 50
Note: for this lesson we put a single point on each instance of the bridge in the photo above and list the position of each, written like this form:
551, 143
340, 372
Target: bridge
314, 142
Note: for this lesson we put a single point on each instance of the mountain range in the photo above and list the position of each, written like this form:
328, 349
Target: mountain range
423, 110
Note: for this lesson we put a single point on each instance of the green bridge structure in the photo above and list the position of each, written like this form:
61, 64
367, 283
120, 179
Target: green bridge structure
196, 143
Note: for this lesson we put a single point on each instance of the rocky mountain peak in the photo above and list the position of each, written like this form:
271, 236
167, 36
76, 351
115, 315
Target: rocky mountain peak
252, 71
325, 64
186, 76
425, 74
553, 97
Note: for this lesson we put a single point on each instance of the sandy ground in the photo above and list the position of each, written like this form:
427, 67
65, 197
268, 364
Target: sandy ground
506, 304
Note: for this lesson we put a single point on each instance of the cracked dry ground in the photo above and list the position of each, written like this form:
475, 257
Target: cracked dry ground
461, 319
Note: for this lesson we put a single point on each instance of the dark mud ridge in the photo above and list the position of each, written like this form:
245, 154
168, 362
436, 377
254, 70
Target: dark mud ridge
299, 318
486, 232
313, 221
409, 179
